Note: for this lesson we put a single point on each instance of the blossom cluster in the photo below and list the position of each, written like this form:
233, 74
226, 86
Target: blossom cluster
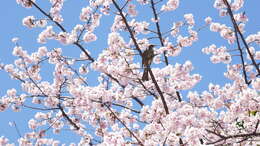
219, 54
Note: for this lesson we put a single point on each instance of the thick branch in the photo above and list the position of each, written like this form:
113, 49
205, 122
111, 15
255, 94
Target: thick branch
63, 29
241, 35
239, 47
67, 117
158, 30
128, 27
223, 138
159, 91
159, 33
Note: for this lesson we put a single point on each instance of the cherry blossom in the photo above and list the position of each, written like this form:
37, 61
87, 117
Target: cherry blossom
25, 3
29, 21
171, 5
89, 37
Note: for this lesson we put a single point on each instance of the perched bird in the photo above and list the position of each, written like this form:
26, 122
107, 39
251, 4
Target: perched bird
147, 58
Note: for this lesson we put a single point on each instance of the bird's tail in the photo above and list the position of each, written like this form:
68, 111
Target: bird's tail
145, 75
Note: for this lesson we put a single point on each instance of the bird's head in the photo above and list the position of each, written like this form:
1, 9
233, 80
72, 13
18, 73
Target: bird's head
151, 45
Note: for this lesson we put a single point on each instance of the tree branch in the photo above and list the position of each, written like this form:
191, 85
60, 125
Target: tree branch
159, 91
241, 35
139, 141
158, 30
63, 29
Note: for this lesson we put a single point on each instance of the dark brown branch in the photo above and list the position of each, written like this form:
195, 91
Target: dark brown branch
49, 16
62, 109
165, 140
181, 142
159, 33
178, 96
17, 129
139, 141
159, 91
155, 3
125, 4
159, 30
59, 106
140, 53
81, 32
242, 59
74, 70
224, 138
138, 101
18, 78
133, 110
36, 108
256, 126
155, 37
67, 117
116, 80
238, 44
241, 35
63, 29
85, 52
150, 30
115, 104
128, 27
141, 82
28, 74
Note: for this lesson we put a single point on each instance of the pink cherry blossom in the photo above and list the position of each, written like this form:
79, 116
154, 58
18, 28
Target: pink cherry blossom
29, 21
89, 37
171, 5
25, 3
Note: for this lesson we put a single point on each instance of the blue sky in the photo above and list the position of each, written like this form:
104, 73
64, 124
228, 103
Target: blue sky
11, 26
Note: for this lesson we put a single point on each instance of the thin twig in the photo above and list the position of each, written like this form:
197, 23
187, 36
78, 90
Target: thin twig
139, 141
159, 30
241, 35
63, 29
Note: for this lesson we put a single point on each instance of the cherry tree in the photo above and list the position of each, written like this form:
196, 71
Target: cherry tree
127, 107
